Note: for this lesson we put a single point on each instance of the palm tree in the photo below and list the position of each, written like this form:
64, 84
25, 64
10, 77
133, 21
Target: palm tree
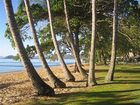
91, 76
77, 59
68, 75
76, 43
41, 87
110, 74
55, 81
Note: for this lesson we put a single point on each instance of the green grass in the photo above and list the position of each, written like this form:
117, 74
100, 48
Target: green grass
124, 90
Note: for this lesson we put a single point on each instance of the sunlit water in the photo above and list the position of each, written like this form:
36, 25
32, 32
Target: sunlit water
9, 65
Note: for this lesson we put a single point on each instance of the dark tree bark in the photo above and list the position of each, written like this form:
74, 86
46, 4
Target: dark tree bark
77, 50
103, 57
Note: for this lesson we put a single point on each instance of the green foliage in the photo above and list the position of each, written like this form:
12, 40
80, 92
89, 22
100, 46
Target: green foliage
79, 12
31, 51
130, 30
17, 58
57, 7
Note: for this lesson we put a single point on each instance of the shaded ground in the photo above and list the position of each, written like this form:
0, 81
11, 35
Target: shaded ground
15, 88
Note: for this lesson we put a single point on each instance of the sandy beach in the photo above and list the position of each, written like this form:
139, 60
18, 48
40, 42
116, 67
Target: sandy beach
16, 86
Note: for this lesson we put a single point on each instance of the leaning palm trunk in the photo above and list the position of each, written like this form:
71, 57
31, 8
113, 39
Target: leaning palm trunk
77, 59
91, 76
68, 75
41, 87
110, 74
54, 80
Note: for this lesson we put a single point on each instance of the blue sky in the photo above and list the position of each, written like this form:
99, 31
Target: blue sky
5, 46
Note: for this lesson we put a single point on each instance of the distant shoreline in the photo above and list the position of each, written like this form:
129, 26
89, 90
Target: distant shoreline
12, 71
38, 68
9, 65
35, 57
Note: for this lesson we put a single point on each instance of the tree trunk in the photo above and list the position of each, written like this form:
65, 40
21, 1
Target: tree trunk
110, 74
41, 87
67, 73
77, 48
76, 68
91, 76
103, 57
82, 71
54, 80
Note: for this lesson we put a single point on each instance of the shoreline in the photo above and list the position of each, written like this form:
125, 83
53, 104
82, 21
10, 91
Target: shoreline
11, 71
37, 68
16, 86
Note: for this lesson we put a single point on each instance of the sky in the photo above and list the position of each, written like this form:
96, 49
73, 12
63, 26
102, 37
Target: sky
5, 46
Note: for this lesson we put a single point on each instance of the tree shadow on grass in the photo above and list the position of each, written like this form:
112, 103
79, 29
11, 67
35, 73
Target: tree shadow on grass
132, 70
92, 98
98, 98
129, 71
127, 77
126, 82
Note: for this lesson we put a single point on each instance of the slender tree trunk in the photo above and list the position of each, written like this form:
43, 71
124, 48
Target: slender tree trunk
54, 80
103, 57
76, 41
110, 74
82, 71
41, 87
91, 76
68, 75
77, 48
76, 68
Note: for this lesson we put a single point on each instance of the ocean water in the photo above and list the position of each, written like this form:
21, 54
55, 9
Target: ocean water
10, 65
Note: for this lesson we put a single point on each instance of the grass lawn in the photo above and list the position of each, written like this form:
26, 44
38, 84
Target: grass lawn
124, 90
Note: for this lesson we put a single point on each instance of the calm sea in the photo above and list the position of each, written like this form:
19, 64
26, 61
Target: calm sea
9, 65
